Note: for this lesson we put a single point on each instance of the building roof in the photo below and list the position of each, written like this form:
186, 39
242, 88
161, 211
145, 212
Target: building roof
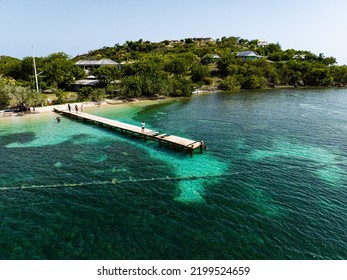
262, 43
247, 53
212, 56
208, 39
96, 62
86, 82
299, 56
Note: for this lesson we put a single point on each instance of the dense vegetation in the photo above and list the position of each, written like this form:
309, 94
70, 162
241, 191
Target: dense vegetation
171, 68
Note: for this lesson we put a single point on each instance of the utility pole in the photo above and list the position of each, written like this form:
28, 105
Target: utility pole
36, 80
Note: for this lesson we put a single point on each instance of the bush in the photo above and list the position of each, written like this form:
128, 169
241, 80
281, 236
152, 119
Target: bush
62, 97
97, 94
255, 82
199, 72
182, 87
4, 96
131, 86
84, 93
230, 83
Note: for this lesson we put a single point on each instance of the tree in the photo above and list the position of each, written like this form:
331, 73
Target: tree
98, 94
182, 87
20, 96
10, 67
326, 60
255, 82
199, 72
269, 71
107, 74
4, 93
230, 83
60, 71
271, 48
131, 86
339, 74
178, 66
27, 70
189, 41
318, 77
84, 93
167, 68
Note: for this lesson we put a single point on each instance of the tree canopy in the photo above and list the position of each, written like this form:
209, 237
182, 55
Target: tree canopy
174, 68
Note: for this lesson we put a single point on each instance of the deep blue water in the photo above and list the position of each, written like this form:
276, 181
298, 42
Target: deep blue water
272, 185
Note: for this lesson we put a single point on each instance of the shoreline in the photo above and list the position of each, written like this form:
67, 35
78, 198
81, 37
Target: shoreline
108, 102
44, 109
111, 102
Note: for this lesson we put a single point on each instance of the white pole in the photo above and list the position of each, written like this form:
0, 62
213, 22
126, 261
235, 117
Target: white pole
36, 80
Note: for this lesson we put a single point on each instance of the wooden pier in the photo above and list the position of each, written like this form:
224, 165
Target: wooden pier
175, 142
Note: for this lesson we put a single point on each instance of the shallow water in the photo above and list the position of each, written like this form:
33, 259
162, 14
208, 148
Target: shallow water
272, 184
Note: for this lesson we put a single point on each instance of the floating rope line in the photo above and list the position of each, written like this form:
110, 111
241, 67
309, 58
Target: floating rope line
23, 187
112, 182
115, 181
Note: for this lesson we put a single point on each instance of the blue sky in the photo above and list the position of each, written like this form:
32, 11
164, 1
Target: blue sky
77, 26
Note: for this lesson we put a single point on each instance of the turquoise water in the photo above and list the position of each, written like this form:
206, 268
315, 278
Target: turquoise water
272, 184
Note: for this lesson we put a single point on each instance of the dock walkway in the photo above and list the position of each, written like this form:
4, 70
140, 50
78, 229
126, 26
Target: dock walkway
172, 141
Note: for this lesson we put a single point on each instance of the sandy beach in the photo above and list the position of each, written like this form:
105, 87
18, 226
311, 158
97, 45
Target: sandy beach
49, 109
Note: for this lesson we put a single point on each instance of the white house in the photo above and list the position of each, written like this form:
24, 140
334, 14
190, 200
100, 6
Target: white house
90, 81
89, 65
262, 43
210, 58
94, 64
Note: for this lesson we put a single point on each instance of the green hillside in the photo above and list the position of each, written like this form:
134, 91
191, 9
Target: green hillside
175, 68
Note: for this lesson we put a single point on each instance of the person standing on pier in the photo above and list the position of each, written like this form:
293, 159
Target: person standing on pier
82, 108
76, 108
143, 126
69, 107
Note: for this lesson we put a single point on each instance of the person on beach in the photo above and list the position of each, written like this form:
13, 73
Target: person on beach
69, 107
143, 126
76, 108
